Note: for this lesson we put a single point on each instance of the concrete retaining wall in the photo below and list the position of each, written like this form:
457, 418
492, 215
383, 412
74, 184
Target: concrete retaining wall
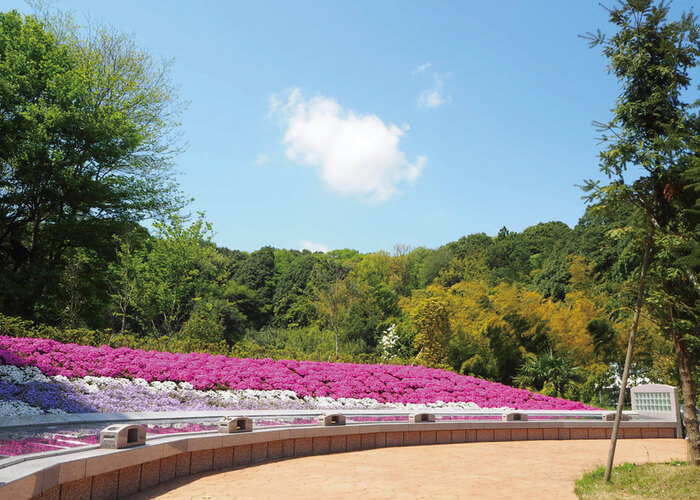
109, 474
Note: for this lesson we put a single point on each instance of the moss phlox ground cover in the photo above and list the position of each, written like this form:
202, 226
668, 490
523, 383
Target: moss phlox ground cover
206, 372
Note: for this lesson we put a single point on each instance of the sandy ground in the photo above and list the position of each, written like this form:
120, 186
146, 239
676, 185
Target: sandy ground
508, 470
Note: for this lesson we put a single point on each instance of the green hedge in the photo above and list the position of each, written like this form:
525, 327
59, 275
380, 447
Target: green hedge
17, 327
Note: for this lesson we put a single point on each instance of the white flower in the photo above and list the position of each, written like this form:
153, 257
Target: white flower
21, 375
167, 386
388, 342
18, 409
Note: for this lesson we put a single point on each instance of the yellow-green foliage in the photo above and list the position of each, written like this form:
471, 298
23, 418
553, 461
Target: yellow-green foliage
431, 321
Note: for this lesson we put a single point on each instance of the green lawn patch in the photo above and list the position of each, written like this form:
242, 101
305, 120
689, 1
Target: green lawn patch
677, 480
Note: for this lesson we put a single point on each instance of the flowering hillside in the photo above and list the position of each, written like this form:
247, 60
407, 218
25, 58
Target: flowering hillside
49, 376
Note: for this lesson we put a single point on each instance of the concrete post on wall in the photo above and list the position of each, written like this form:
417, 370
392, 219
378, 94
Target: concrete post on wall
610, 417
231, 425
331, 419
657, 401
418, 418
122, 436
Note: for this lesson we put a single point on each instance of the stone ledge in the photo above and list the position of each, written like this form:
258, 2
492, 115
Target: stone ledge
163, 459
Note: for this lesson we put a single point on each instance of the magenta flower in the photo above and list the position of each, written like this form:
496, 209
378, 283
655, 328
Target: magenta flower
384, 383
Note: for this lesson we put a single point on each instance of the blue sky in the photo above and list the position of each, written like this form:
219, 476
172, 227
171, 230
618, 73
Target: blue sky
363, 124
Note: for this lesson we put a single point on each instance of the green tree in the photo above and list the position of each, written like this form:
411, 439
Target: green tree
164, 281
434, 262
86, 124
653, 129
123, 282
400, 278
257, 273
332, 304
335, 297
431, 322
547, 368
292, 304
378, 278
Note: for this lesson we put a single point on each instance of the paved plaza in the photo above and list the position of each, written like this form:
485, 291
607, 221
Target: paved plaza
503, 470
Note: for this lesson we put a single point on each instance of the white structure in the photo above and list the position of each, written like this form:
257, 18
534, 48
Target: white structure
657, 401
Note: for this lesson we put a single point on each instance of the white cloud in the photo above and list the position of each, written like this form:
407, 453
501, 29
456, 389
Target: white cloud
355, 155
262, 159
434, 97
274, 104
421, 68
314, 247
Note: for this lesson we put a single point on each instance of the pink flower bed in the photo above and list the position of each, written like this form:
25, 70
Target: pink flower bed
10, 447
384, 383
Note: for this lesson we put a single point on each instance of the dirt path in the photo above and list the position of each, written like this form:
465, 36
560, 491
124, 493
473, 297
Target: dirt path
504, 470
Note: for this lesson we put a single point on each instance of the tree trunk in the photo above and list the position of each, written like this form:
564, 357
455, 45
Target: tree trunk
417, 356
336, 341
628, 358
123, 322
690, 419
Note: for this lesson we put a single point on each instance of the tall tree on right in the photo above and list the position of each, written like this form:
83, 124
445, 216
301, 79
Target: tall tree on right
654, 132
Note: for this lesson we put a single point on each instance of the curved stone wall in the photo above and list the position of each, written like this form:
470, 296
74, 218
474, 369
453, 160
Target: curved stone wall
96, 473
